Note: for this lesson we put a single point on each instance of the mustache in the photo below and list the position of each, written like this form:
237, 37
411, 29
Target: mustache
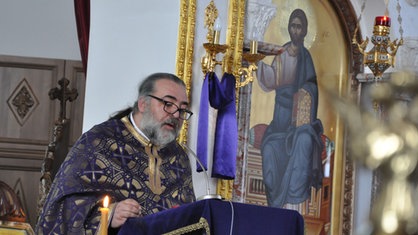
173, 122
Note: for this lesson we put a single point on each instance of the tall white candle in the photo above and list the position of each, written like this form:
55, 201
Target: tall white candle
216, 31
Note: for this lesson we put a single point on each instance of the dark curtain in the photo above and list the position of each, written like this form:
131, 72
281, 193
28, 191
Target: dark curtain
82, 16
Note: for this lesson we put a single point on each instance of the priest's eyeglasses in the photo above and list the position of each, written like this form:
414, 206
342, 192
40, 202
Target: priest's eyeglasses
172, 108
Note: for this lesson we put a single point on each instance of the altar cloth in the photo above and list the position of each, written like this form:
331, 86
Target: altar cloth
217, 217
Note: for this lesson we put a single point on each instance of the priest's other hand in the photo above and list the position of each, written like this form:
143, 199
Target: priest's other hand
125, 209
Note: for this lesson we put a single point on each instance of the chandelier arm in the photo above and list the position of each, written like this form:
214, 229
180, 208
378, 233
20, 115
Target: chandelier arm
398, 8
363, 6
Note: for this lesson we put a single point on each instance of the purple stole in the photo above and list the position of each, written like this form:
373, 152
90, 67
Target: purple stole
221, 96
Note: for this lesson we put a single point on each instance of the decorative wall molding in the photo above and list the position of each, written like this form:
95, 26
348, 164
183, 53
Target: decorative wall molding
407, 56
259, 13
27, 116
412, 2
22, 102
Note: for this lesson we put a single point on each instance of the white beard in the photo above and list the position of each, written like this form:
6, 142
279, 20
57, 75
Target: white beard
152, 129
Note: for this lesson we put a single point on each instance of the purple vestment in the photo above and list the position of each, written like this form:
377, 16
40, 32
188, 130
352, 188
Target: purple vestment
113, 159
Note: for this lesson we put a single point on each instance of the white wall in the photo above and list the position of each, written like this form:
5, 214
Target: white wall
41, 28
128, 41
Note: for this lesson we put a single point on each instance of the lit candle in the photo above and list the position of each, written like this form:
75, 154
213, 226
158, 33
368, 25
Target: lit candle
216, 31
105, 212
253, 47
382, 20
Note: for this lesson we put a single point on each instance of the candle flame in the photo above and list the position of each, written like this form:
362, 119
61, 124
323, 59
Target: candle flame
106, 202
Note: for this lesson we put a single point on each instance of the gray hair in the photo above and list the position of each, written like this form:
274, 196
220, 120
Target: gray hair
147, 86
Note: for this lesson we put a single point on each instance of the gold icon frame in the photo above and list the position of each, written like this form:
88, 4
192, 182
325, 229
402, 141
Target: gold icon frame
343, 185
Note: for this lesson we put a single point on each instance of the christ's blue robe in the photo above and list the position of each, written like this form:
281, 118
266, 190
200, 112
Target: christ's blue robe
291, 154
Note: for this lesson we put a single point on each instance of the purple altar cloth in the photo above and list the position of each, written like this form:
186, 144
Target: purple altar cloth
222, 217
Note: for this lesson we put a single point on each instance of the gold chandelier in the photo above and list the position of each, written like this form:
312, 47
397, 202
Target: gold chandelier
382, 55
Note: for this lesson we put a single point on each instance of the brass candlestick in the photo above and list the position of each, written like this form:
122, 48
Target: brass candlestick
252, 58
209, 60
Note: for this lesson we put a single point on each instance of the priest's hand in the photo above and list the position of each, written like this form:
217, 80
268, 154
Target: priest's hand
123, 210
